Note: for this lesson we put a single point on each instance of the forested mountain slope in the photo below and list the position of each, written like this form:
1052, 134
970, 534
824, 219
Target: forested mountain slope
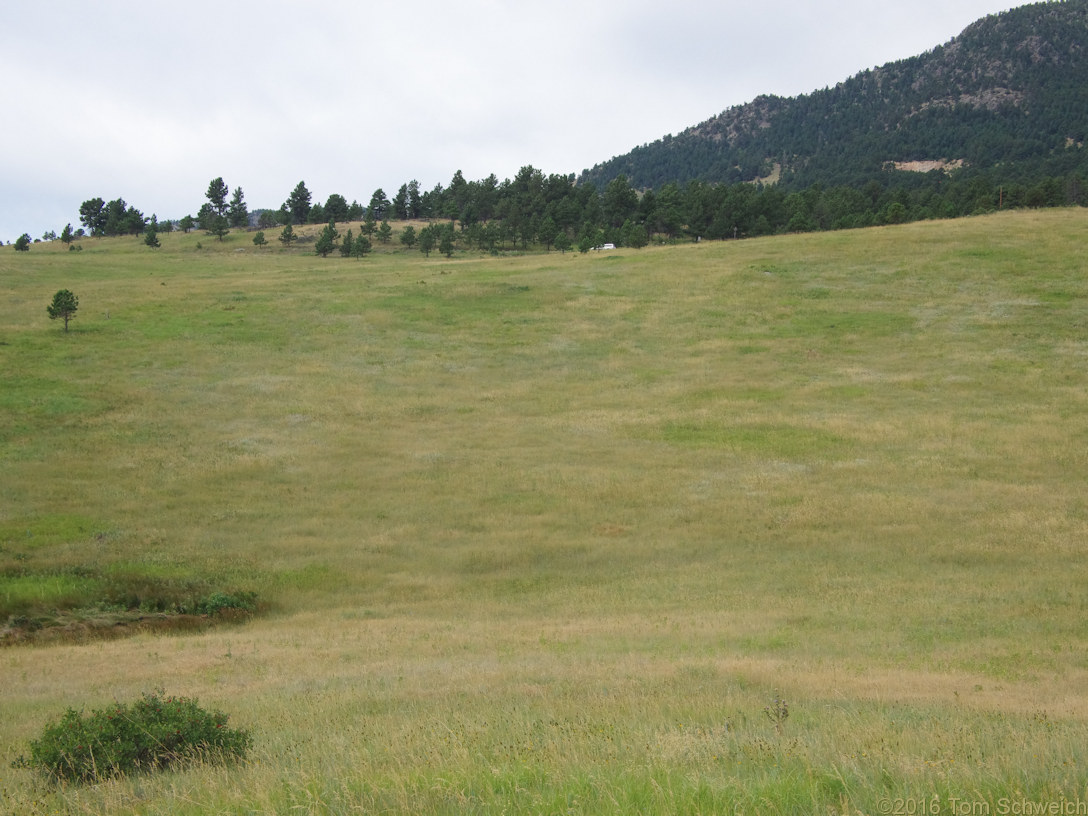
1010, 91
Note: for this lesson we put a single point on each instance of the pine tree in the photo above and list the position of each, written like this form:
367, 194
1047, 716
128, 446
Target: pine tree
445, 245
63, 307
346, 245
326, 242
360, 246
217, 195
151, 234
298, 203
219, 227
238, 212
426, 240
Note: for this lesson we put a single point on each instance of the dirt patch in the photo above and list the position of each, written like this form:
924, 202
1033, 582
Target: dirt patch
929, 165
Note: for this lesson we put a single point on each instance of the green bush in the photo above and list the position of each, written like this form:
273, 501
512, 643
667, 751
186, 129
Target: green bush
218, 601
153, 733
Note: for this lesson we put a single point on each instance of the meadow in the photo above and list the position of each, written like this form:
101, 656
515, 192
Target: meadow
786, 525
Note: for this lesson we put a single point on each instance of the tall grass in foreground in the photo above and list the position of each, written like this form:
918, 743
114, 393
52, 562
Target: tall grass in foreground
549, 533
626, 734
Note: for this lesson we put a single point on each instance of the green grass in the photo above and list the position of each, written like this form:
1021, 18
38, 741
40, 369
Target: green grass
547, 533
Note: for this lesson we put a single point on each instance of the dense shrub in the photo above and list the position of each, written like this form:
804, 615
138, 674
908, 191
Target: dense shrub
218, 601
153, 733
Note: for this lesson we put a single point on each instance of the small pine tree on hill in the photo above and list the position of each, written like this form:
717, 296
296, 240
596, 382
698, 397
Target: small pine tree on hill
151, 234
326, 242
360, 246
63, 307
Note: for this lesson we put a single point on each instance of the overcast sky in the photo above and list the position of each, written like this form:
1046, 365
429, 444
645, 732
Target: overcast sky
149, 101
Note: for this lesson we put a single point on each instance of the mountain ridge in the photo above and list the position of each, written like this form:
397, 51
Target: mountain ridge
1012, 87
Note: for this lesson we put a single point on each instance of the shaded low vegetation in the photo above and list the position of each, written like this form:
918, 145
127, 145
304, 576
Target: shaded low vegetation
83, 602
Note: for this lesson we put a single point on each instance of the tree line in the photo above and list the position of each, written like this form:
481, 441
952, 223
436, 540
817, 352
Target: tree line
552, 211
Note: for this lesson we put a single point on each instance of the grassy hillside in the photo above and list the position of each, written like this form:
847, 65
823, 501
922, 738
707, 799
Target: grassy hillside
552, 533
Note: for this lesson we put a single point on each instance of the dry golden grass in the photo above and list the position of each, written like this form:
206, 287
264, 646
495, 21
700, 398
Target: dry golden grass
546, 533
